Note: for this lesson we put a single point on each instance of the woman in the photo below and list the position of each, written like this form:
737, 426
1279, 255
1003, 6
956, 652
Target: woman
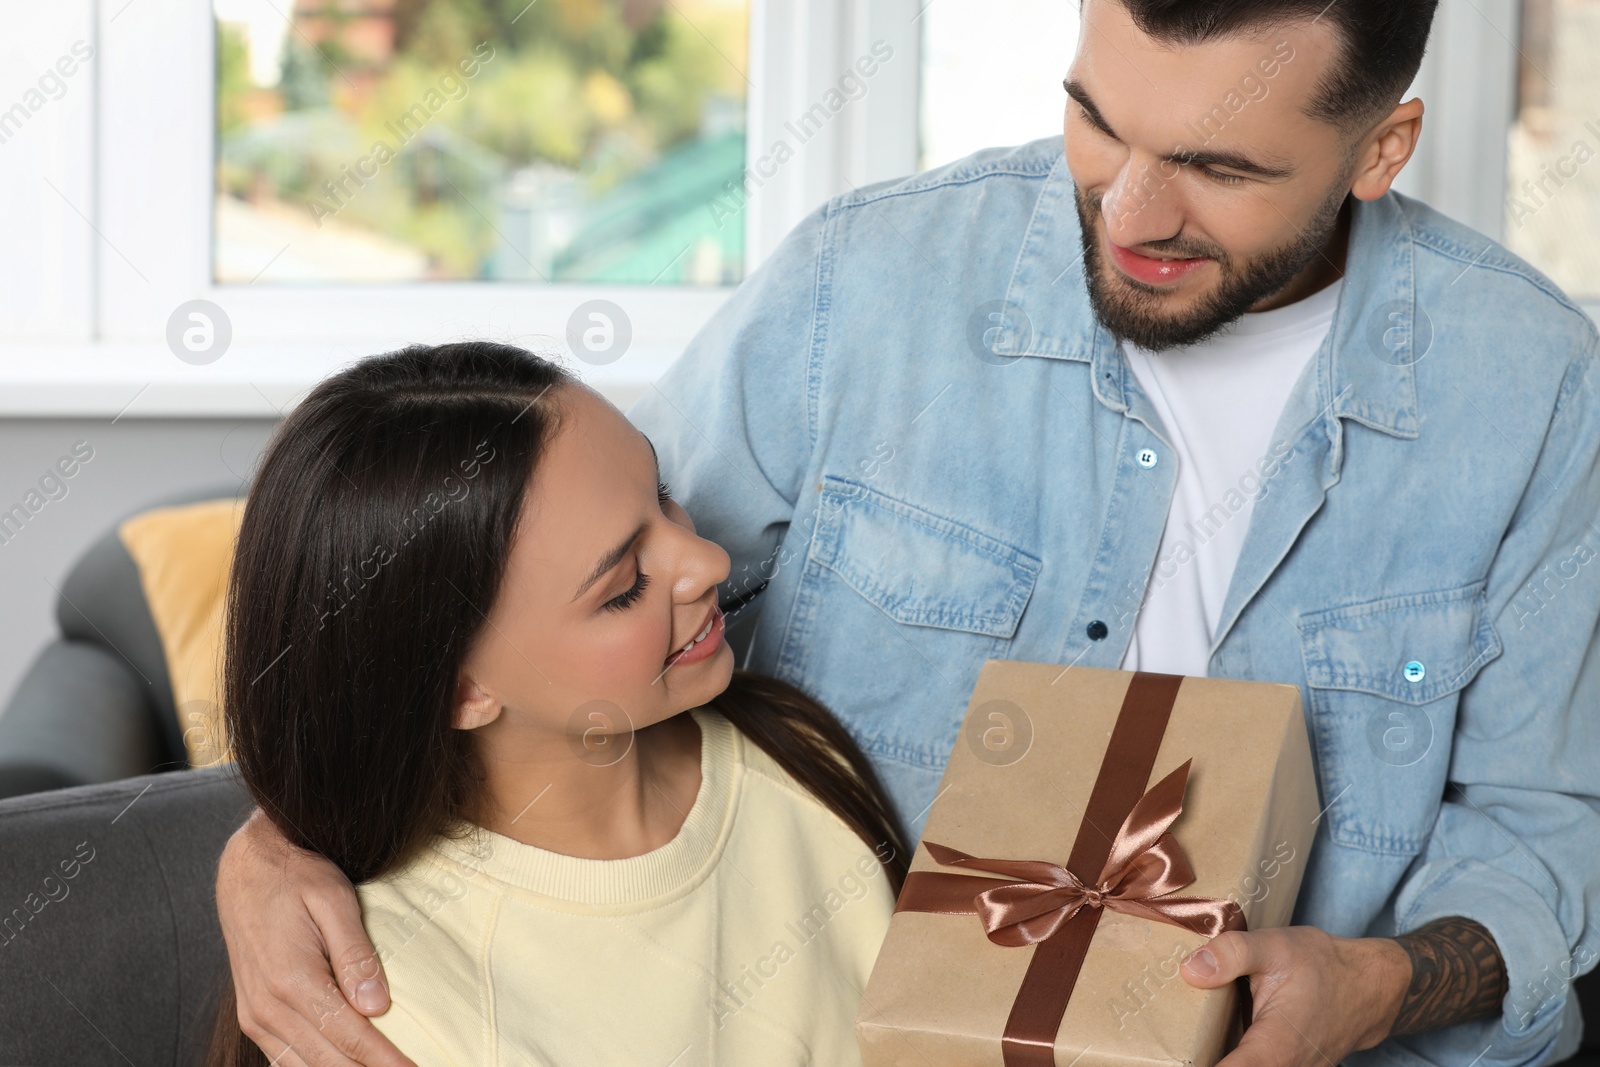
474, 658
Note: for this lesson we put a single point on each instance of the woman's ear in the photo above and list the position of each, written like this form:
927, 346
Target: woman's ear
472, 705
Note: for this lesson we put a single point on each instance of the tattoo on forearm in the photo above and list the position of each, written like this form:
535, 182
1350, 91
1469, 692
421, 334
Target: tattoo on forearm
1456, 975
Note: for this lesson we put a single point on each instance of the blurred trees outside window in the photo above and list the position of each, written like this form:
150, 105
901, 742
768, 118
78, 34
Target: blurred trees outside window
576, 141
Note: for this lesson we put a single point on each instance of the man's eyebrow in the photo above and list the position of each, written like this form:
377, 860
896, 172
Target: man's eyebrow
609, 560
1076, 90
1201, 158
1232, 161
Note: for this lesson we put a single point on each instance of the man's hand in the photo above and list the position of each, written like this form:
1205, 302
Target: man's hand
1318, 998
288, 916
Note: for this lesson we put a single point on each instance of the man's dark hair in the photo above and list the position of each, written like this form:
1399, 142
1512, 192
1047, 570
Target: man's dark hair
1383, 43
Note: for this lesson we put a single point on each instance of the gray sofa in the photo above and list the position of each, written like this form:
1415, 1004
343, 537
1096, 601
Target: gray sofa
110, 952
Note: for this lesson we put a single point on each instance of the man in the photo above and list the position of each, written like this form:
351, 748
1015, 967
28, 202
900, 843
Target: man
1200, 395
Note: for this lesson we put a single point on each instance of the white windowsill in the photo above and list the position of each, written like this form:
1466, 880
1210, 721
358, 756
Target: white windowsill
144, 381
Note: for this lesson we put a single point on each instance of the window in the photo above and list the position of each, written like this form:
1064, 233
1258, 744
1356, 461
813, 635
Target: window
991, 74
658, 198
509, 141
1553, 180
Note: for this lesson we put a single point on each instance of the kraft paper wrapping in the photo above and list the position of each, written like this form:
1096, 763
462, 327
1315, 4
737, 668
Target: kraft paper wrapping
1019, 778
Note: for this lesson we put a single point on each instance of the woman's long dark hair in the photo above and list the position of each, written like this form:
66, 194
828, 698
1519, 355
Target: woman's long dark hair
374, 540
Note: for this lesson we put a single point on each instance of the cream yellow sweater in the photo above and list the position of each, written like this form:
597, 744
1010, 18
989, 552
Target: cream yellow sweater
746, 940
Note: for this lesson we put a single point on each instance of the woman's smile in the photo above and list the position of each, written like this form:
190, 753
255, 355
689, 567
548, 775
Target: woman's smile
704, 645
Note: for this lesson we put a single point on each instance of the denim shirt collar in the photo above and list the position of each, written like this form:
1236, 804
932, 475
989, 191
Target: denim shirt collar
1365, 368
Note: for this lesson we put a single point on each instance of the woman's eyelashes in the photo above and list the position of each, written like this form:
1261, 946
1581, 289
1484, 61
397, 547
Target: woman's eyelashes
626, 598
663, 493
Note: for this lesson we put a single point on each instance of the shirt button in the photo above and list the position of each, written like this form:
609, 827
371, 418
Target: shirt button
1097, 631
1146, 458
1415, 671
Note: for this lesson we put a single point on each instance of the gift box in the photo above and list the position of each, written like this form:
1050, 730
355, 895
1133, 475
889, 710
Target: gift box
1092, 828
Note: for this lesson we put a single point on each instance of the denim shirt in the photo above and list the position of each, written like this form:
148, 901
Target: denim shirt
916, 442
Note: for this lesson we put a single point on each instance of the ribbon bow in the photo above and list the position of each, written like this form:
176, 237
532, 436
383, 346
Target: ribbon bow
1145, 867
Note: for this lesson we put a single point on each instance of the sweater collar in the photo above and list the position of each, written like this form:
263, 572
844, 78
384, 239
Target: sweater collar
674, 867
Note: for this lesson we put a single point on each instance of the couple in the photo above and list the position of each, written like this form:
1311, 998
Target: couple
1199, 394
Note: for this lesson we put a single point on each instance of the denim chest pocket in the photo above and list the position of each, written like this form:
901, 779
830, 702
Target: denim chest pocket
897, 609
1384, 679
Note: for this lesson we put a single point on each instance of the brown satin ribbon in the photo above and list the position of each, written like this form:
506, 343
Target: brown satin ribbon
1054, 907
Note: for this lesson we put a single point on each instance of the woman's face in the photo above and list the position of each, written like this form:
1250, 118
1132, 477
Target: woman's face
606, 585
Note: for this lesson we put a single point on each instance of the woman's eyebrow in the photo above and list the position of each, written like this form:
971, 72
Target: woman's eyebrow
612, 558
609, 560
653, 454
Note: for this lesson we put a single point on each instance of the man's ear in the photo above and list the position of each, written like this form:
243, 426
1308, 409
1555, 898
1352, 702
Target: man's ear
472, 706
1386, 150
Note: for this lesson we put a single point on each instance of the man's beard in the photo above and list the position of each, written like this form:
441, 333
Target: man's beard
1133, 311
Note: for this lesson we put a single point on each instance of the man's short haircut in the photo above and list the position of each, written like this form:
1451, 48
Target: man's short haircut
1383, 43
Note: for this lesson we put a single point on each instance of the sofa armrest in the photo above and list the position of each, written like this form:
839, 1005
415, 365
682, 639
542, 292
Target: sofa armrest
80, 715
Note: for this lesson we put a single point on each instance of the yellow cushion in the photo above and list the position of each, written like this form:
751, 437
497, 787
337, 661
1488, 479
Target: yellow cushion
184, 554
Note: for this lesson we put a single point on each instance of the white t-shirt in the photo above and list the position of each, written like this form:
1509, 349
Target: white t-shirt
1219, 402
